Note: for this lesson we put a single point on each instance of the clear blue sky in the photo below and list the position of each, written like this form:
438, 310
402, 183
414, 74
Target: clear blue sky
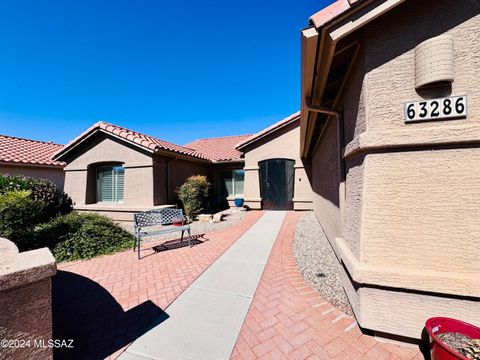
178, 70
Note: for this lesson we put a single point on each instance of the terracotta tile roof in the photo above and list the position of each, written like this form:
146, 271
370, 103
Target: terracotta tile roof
19, 151
147, 142
331, 12
292, 118
220, 148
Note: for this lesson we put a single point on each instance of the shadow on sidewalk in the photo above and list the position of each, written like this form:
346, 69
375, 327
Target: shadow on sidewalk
85, 312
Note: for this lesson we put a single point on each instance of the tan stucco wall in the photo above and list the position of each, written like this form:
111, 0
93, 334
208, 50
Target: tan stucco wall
284, 143
180, 170
412, 192
54, 175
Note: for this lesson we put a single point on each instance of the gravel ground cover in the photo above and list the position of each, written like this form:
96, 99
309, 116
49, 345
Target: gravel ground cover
317, 262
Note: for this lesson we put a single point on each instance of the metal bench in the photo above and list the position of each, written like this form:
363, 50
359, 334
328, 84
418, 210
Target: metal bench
158, 222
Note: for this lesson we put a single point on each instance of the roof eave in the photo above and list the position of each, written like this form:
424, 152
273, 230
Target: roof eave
33, 165
264, 134
68, 148
318, 48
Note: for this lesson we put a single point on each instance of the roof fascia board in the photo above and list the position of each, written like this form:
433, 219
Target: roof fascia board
74, 145
351, 26
31, 165
309, 43
177, 156
267, 133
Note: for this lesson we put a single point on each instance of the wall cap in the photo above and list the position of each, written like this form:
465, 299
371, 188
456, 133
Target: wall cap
18, 269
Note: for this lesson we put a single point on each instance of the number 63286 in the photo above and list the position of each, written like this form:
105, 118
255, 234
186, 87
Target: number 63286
442, 108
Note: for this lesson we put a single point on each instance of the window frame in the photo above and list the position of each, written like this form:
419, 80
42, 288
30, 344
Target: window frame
233, 182
114, 170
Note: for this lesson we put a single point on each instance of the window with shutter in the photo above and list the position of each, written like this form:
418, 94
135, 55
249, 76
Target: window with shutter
110, 184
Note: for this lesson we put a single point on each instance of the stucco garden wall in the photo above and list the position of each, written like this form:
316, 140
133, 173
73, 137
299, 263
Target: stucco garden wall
409, 238
25, 302
283, 143
55, 175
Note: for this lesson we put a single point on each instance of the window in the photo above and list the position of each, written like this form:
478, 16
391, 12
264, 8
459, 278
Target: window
110, 184
232, 182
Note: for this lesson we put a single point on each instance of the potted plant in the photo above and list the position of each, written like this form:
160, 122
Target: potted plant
452, 339
238, 202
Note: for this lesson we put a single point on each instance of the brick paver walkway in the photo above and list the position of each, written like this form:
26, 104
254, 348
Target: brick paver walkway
107, 302
289, 320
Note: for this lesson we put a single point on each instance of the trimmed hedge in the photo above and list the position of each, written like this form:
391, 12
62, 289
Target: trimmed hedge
82, 236
193, 194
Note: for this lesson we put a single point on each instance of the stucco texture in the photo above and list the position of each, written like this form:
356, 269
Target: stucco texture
409, 235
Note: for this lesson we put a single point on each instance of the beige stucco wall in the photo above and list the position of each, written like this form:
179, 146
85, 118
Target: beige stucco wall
284, 143
412, 196
55, 175
180, 170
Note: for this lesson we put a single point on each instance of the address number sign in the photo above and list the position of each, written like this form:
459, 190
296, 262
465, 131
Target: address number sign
443, 108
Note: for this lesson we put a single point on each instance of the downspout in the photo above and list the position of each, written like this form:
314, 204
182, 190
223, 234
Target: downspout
341, 140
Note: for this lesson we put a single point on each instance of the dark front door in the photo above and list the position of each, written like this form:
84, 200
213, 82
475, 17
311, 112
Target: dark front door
276, 184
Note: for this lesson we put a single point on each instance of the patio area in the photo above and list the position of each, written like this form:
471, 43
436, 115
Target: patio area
108, 302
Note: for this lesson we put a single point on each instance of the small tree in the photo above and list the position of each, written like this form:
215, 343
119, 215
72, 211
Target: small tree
193, 194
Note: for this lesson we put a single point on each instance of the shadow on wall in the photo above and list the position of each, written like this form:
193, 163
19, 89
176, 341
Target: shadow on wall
85, 312
410, 32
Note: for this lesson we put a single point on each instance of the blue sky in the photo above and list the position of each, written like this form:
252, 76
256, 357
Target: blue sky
178, 70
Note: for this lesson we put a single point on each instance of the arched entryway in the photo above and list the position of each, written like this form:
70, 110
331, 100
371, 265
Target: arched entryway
276, 183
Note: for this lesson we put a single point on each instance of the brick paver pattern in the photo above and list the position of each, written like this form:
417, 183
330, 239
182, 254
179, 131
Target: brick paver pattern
107, 302
289, 320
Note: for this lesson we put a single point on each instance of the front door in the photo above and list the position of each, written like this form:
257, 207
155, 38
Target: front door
276, 183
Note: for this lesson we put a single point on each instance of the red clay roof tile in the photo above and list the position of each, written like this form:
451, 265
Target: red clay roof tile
214, 149
331, 12
220, 148
20, 151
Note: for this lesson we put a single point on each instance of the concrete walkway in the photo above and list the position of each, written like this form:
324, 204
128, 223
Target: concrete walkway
205, 320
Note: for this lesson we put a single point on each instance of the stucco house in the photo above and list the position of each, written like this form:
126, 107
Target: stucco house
390, 125
31, 158
117, 171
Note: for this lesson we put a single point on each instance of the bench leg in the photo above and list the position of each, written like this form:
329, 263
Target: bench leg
181, 238
138, 246
189, 238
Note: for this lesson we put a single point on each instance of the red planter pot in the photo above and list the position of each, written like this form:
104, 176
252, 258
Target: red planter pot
438, 325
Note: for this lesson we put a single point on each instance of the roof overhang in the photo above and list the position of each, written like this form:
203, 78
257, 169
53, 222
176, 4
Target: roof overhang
67, 149
268, 131
329, 48
32, 165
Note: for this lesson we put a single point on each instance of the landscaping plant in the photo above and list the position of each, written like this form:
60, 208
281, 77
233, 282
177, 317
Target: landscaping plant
19, 213
82, 236
193, 194
56, 202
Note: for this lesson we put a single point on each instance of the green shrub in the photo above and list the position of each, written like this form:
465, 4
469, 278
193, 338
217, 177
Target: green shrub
82, 236
40, 190
193, 194
19, 213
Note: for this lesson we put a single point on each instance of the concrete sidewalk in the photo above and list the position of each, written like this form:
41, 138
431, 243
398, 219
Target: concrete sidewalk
205, 320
